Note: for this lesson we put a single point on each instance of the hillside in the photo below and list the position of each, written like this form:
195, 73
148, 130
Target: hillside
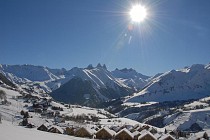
184, 84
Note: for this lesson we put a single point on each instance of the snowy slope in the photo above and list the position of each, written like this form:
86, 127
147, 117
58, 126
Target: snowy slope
188, 83
196, 112
9, 131
32, 76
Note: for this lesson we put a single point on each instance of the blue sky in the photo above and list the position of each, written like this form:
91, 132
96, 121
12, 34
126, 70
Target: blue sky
69, 33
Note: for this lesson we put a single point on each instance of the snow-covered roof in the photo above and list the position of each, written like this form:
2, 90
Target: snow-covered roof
111, 132
46, 125
147, 133
126, 131
163, 137
136, 133
58, 128
56, 104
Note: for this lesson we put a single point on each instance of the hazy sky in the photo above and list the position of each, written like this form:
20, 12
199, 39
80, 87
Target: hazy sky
69, 33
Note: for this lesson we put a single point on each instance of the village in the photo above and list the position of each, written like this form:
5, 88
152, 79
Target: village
41, 112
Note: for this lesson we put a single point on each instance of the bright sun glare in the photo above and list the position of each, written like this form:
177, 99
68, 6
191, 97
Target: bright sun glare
138, 13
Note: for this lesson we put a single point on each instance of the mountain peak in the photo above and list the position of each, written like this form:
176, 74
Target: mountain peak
99, 65
104, 66
90, 66
197, 67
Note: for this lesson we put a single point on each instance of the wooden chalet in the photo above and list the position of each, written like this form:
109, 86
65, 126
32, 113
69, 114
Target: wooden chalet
124, 134
105, 133
84, 132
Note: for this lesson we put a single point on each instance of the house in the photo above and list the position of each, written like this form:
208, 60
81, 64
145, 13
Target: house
70, 131
129, 127
152, 130
115, 128
84, 132
166, 137
147, 136
56, 129
44, 127
124, 134
105, 133
144, 127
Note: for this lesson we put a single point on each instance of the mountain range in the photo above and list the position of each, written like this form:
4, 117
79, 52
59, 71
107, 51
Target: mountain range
87, 86
92, 85
184, 84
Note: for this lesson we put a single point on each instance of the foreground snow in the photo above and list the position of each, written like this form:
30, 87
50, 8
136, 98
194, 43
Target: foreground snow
11, 132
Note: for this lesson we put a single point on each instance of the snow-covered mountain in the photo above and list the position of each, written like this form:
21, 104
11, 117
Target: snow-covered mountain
30, 76
131, 78
184, 84
90, 86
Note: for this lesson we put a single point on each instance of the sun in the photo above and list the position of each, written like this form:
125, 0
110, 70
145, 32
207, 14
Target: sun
138, 13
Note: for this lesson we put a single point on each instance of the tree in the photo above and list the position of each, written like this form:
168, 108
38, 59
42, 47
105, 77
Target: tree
205, 136
0, 117
165, 131
3, 95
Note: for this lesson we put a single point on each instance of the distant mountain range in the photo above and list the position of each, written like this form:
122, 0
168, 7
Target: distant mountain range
93, 85
88, 86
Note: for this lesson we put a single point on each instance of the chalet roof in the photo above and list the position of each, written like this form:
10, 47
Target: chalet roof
115, 128
57, 127
46, 125
135, 133
166, 136
126, 131
111, 132
158, 135
143, 131
147, 133
152, 128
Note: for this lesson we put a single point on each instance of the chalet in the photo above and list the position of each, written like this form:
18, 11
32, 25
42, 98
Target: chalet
56, 129
124, 134
152, 130
166, 137
144, 127
70, 131
136, 126
44, 127
115, 128
84, 132
129, 127
105, 133
147, 136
